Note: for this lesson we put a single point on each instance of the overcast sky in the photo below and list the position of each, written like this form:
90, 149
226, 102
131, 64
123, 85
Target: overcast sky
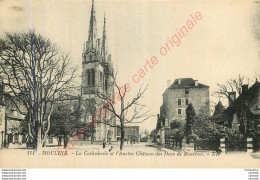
220, 46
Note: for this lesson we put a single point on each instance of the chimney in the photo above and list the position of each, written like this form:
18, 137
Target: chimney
179, 81
244, 88
232, 98
196, 82
169, 83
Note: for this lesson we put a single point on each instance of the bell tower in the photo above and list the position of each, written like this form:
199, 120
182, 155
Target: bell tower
97, 73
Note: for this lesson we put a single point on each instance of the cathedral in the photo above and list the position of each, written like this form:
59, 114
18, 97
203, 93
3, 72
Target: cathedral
97, 71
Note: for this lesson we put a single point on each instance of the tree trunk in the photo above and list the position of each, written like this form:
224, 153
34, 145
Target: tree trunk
122, 140
92, 137
65, 141
39, 136
48, 126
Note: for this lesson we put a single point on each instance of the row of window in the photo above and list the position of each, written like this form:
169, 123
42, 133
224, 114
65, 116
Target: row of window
179, 102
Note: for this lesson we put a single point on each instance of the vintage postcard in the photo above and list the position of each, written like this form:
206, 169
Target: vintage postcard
129, 84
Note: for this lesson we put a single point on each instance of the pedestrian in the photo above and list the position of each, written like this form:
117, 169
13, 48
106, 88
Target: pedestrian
59, 140
104, 143
131, 141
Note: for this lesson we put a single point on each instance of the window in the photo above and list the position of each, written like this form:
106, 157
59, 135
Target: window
179, 102
88, 77
186, 90
93, 77
101, 77
186, 101
106, 85
179, 111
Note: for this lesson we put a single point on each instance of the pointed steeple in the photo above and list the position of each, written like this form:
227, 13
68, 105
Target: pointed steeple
104, 48
92, 34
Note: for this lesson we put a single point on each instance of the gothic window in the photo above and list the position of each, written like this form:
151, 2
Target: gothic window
106, 85
88, 77
101, 80
93, 77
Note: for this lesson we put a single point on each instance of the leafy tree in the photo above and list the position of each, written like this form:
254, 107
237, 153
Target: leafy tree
175, 124
190, 114
203, 127
176, 131
66, 121
153, 134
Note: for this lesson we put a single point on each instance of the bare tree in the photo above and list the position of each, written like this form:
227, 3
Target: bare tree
231, 85
129, 110
34, 72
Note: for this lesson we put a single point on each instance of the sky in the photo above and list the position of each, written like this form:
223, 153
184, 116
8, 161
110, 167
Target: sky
220, 46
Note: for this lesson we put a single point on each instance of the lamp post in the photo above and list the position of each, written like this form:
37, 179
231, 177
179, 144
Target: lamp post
2, 133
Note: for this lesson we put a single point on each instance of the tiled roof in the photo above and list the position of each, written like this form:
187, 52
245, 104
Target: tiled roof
185, 82
244, 98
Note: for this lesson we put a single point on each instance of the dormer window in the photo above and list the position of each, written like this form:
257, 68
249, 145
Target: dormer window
187, 91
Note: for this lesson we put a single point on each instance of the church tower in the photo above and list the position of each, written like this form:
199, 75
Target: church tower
97, 73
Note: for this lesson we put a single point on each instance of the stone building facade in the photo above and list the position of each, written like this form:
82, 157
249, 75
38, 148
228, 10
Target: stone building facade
10, 119
181, 93
176, 98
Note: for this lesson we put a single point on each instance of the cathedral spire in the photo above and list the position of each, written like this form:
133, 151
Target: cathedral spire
104, 41
92, 34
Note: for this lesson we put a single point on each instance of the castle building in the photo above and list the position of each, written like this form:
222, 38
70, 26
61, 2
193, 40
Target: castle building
176, 98
97, 77
181, 93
